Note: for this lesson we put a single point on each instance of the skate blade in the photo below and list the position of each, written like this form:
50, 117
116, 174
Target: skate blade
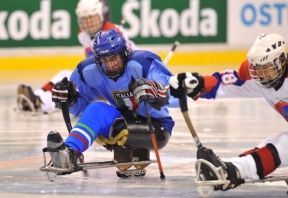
56, 170
206, 187
108, 164
272, 178
130, 173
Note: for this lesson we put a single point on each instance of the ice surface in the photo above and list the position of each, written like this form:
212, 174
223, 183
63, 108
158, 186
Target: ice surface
227, 126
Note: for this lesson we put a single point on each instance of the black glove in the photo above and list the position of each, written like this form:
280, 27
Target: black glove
149, 91
191, 84
177, 88
64, 92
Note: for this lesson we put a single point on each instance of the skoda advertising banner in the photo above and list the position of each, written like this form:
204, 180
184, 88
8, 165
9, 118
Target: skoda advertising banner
54, 23
41, 23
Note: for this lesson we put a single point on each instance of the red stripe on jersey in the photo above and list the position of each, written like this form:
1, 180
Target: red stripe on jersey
107, 25
267, 160
48, 86
282, 108
79, 137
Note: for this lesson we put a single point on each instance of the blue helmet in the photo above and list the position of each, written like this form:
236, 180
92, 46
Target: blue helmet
109, 43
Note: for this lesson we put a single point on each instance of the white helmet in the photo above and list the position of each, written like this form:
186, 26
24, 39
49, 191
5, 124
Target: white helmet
268, 59
90, 16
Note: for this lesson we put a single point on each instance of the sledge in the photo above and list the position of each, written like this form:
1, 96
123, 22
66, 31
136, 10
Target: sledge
52, 172
206, 188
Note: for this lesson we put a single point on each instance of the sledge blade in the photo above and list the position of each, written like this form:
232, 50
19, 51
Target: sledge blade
272, 178
108, 164
93, 165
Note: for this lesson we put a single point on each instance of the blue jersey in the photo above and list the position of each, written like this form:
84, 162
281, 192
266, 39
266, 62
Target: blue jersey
92, 84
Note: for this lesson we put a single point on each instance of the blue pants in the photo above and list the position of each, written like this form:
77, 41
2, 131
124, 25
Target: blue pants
96, 120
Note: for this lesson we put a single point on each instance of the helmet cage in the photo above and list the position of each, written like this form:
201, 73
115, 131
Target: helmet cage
268, 59
91, 24
112, 65
107, 45
90, 16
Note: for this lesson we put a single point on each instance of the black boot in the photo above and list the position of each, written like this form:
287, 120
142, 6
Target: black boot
230, 172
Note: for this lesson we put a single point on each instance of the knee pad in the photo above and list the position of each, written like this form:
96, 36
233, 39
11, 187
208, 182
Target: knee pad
266, 159
280, 143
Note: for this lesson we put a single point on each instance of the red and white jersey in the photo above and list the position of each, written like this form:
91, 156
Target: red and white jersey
87, 42
233, 84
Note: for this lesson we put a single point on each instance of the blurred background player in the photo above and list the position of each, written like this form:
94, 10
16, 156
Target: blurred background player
126, 79
92, 17
264, 74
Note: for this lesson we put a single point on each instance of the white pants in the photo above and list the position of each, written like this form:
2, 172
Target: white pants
247, 166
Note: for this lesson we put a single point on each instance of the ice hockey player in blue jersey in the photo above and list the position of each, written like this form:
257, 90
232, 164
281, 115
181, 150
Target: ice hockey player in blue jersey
128, 80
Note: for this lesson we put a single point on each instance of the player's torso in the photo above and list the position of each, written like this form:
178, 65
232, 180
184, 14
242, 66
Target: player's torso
115, 91
278, 99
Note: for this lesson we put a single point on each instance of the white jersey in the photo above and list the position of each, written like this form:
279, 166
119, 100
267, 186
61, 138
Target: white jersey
232, 84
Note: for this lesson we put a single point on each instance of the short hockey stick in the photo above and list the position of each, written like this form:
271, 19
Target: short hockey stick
66, 116
153, 137
67, 120
154, 143
171, 52
184, 110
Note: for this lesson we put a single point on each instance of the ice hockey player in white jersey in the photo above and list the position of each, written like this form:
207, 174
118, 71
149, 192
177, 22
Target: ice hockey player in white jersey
128, 80
264, 74
91, 19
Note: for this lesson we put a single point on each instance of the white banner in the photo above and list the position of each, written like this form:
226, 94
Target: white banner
249, 18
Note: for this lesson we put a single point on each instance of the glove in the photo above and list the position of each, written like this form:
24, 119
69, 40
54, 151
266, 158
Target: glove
118, 135
64, 92
149, 91
191, 84
177, 88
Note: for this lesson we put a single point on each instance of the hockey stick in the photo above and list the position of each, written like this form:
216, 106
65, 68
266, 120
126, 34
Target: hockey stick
154, 143
183, 101
66, 116
184, 110
153, 137
171, 52
63, 105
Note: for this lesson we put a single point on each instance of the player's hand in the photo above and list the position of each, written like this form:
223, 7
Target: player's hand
149, 91
144, 90
187, 83
64, 92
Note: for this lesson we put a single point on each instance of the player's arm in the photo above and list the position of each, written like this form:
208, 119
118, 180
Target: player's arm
75, 92
228, 83
152, 86
86, 94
